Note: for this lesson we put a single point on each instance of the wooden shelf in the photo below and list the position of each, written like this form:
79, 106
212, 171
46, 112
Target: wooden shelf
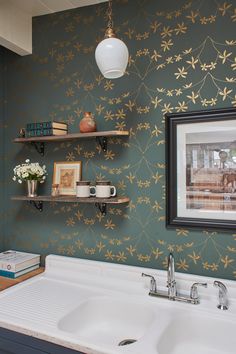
101, 203
101, 137
73, 136
72, 199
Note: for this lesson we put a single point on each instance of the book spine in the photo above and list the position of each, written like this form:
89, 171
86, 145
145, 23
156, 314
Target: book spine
39, 125
13, 267
37, 132
9, 267
42, 132
46, 125
13, 275
4, 273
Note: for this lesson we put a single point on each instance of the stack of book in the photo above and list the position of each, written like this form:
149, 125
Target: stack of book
46, 129
14, 264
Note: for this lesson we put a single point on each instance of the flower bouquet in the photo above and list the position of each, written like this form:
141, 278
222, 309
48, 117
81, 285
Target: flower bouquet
32, 173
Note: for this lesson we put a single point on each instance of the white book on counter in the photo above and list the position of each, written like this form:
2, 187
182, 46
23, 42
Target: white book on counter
15, 261
13, 275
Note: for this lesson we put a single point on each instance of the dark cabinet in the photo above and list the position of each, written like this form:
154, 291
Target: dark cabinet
12, 342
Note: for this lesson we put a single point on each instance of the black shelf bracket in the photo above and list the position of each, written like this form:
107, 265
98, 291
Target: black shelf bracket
39, 147
38, 205
102, 141
102, 208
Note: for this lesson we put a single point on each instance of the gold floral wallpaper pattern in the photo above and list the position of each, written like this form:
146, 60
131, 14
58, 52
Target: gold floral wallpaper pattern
182, 58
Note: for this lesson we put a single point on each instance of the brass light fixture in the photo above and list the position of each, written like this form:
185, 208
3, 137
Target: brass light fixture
111, 53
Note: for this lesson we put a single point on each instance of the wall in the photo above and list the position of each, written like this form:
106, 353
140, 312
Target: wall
182, 57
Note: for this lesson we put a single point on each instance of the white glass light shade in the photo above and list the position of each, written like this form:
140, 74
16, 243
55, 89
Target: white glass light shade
112, 57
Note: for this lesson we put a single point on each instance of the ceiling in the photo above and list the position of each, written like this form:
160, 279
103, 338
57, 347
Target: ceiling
16, 19
44, 7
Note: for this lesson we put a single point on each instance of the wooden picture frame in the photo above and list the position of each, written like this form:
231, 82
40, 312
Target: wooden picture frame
201, 169
66, 174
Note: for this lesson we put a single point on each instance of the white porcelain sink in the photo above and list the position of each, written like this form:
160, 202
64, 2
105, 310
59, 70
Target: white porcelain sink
108, 321
92, 306
164, 326
198, 334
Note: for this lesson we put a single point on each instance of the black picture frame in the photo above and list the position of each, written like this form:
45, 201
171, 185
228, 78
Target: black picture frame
174, 219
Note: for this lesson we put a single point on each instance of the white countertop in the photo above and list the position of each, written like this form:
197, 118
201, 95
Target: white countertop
36, 306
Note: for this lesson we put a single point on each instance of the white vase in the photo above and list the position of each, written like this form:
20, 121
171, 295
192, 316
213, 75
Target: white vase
32, 187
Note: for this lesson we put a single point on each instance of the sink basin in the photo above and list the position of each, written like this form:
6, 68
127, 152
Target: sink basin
93, 307
108, 321
194, 334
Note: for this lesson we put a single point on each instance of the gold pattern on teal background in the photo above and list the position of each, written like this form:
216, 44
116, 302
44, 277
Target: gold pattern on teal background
182, 58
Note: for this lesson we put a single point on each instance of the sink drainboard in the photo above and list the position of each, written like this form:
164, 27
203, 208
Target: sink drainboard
127, 342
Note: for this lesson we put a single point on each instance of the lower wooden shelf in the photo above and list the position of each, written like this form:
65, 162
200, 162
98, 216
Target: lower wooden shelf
101, 203
73, 199
8, 282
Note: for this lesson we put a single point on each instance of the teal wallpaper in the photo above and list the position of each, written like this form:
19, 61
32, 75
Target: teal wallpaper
182, 57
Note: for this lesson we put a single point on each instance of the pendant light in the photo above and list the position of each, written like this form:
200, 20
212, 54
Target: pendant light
111, 53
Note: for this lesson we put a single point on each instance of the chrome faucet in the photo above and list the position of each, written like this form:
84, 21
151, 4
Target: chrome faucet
171, 283
223, 298
194, 291
172, 294
153, 285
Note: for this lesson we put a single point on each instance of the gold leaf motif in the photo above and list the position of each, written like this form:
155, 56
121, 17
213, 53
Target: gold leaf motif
224, 56
195, 257
223, 8
181, 73
226, 261
182, 265
182, 232
166, 45
157, 253
109, 225
193, 15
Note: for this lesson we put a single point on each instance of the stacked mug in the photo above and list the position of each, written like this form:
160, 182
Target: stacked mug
102, 189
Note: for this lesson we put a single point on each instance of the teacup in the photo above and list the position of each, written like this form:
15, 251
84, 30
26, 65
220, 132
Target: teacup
84, 190
104, 189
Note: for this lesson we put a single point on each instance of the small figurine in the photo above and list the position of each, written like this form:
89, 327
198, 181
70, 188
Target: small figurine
22, 133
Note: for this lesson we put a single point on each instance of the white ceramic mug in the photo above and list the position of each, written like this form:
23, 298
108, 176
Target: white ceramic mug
84, 190
104, 189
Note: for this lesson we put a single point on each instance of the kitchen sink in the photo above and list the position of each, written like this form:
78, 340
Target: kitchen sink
108, 321
101, 308
194, 333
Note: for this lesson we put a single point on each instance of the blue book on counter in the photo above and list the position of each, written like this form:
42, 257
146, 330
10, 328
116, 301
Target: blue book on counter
13, 275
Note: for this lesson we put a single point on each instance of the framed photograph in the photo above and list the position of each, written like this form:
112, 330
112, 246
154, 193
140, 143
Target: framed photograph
66, 174
201, 169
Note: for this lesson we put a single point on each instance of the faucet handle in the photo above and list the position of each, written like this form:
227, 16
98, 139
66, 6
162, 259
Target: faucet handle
223, 299
153, 284
194, 290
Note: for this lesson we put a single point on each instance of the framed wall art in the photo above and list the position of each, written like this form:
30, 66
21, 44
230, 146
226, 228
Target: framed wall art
201, 169
66, 174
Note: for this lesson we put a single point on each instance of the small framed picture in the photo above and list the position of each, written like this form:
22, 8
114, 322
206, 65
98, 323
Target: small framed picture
66, 174
201, 169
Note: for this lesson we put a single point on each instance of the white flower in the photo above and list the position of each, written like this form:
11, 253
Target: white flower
29, 170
